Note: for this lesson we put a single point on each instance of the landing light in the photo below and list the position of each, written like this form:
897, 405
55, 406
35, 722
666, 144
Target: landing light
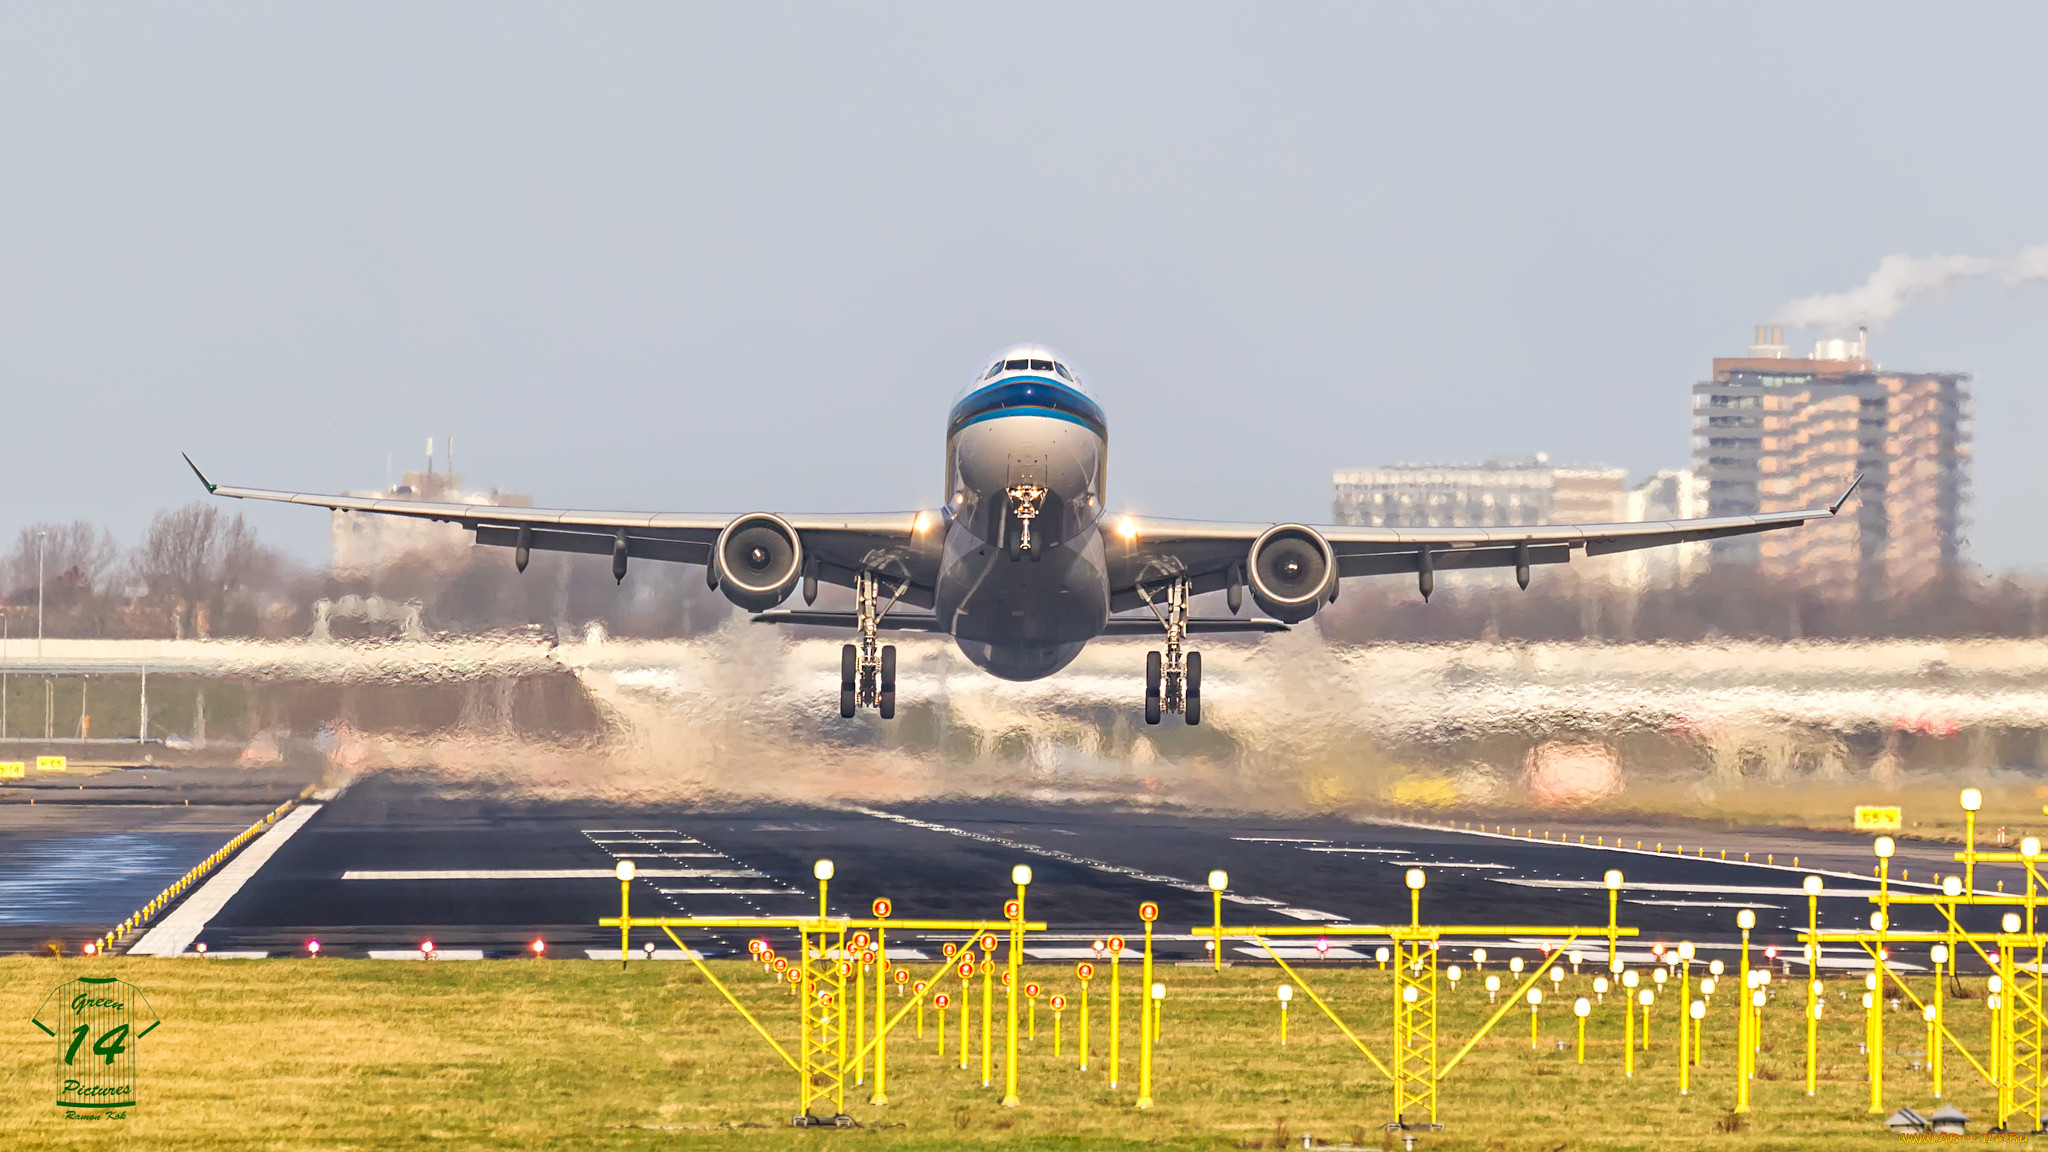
924, 521
1127, 528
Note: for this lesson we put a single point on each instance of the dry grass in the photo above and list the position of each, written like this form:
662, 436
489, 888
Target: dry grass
575, 1054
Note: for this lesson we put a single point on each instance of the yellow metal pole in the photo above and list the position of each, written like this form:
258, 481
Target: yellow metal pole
838, 1009
1016, 978
1283, 1023
1684, 1024
1145, 1026
1582, 1039
1082, 1045
1877, 1027
881, 1095
1743, 1048
1813, 983
920, 1013
1628, 1035
988, 1020
860, 1020
1218, 914
966, 998
625, 911
1056, 1033
803, 1018
1116, 998
942, 1028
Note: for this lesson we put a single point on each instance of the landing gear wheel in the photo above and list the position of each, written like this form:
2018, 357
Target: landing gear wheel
886, 701
1194, 689
849, 672
1151, 687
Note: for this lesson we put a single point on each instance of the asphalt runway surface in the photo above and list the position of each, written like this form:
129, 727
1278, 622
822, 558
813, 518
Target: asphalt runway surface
395, 860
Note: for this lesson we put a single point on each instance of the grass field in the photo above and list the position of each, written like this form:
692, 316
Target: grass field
355, 1054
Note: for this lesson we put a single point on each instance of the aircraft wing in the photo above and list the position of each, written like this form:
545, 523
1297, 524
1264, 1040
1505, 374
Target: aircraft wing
1152, 551
888, 543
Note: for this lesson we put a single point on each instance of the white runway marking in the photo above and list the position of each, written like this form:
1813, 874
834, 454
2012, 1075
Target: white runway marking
1097, 865
414, 954
1707, 904
1065, 954
1302, 952
224, 955
1359, 851
176, 932
641, 953
1277, 840
1642, 886
728, 891
545, 874
1426, 864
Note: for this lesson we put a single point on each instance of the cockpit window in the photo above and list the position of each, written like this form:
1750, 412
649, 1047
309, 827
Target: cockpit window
1016, 365
1061, 369
1041, 365
993, 370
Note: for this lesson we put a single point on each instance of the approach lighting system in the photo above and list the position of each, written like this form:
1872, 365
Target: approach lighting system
1415, 879
1219, 880
1884, 847
1613, 879
1020, 875
1685, 950
624, 871
1286, 993
1812, 885
822, 870
1951, 886
2011, 922
1745, 919
1582, 1007
2030, 847
1972, 799
1938, 953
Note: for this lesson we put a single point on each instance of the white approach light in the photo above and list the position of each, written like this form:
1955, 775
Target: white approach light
1646, 997
1415, 879
1286, 993
1219, 880
822, 870
1757, 998
1493, 983
1715, 967
625, 870
1454, 973
1535, 996
1630, 979
1884, 847
1877, 921
1685, 950
1972, 799
1020, 875
1613, 879
1812, 885
1600, 985
1515, 965
2030, 847
1699, 1010
1582, 1007
2011, 922
1409, 994
1745, 919
1951, 886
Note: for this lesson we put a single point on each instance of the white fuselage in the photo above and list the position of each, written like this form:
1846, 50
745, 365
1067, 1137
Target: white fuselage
1024, 447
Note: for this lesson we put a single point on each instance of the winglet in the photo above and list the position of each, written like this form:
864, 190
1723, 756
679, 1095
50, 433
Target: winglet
1846, 492
211, 487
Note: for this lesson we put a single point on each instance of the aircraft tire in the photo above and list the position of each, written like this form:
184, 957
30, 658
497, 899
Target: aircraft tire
1152, 687
849, 668
1193, 690
886, 698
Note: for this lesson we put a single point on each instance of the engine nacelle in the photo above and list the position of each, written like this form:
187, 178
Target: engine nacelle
758, 560
1292, 571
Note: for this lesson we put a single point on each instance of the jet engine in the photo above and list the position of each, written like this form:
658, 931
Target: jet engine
757, 561
1293, 572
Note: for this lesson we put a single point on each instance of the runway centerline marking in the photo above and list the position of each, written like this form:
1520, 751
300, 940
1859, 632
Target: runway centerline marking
1097, 865
548, 874
176, 932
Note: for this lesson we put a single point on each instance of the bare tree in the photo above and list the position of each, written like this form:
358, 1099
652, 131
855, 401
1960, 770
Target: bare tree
81, 552
198, 566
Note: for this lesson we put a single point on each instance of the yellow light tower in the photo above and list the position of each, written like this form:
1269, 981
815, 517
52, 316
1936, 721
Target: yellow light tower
1218, 881
1021, 877
1116, 1008
1812, 886
1744, 1050
1884, 847
1972, 800
1148, 912
1286, 994
1582, 1008
625, 874
1613, 881
1535, 1001
1685, 955
1084, 972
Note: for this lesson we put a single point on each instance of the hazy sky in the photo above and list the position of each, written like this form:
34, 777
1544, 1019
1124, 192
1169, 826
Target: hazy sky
717, 259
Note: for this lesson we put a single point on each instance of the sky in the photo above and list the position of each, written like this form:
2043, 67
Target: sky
716, 259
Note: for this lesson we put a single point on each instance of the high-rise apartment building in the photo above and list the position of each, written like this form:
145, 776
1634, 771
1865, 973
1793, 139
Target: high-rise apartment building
1773, 433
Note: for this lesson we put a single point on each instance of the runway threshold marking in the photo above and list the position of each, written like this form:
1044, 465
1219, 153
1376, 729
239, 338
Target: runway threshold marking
1098, 865
1652, 886
176, 932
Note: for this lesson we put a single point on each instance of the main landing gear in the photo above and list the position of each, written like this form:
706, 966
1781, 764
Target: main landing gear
867, 669
1173, 681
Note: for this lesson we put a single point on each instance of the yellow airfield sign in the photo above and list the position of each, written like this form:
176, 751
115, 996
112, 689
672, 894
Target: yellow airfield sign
12, 770
1873, 818
51, 764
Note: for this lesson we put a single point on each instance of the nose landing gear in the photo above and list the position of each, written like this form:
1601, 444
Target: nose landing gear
1026, 502
1173, 681
867, 668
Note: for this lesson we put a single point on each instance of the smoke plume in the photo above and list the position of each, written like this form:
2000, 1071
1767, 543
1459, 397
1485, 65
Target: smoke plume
1900, 279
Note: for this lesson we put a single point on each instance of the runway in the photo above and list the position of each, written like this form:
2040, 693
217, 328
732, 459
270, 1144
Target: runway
399, 858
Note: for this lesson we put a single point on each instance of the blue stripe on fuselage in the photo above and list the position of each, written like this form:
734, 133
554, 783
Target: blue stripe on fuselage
1028, 396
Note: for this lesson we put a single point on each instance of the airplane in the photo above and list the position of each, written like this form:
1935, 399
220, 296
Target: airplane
1022, 564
